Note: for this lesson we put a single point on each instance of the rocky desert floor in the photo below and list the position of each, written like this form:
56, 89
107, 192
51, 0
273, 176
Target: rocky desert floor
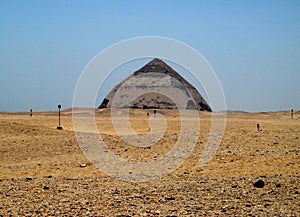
44, 172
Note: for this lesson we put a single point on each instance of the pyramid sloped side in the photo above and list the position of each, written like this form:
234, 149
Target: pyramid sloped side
136, 83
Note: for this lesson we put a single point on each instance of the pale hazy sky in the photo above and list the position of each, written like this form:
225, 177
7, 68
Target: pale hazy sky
253, 46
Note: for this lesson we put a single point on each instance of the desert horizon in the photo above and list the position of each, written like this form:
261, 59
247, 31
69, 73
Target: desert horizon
68, 109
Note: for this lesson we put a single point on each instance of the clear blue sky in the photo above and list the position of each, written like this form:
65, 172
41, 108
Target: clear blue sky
254, 46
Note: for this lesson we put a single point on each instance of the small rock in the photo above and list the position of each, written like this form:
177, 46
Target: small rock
278, 185
170, 198
82, 165
117, 203
259, 184
223, 209
46, 188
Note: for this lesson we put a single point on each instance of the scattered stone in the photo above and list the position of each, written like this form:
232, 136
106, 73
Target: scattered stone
176, 195
117, 203
82, 165
278, 185
88, 164
259, 184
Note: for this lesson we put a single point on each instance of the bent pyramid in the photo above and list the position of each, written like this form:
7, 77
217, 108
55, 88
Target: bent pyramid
155, 86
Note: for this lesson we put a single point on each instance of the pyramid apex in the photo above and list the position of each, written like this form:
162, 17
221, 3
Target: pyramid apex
155, 65
157, 61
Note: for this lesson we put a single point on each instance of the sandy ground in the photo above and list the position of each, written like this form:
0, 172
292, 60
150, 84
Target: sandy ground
40, 172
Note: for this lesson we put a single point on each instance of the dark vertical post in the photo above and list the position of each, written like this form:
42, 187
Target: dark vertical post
292, 113
59, 127
59, 115
30, 112
257, 125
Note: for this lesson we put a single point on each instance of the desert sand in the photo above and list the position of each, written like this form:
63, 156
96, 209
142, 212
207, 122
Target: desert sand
43, 171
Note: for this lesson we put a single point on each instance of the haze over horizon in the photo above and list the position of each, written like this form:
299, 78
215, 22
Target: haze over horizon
253, 47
